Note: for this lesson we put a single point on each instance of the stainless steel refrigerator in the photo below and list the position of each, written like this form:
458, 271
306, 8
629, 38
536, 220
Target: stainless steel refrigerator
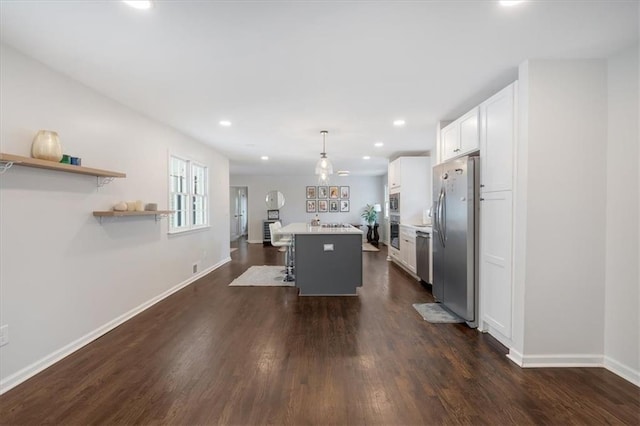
455, 236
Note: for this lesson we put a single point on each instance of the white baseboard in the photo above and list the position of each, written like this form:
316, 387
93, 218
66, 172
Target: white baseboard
515, 356
562, 360
622, 370
254, 241
31, 370
535, 361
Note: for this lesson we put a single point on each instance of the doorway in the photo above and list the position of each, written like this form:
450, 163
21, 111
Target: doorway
238, 203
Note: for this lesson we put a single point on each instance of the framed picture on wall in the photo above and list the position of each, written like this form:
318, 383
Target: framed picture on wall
311, 193
344, 205
344, 192
311, 206
333, 206
323, 192
334, 192
273, 214
323, 206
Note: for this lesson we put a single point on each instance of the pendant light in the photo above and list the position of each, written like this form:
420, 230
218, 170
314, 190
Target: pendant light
324, 168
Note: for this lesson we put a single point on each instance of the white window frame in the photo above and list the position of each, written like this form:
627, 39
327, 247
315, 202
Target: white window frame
190, 195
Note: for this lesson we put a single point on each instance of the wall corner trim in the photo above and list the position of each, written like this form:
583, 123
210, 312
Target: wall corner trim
31, 370
622, 370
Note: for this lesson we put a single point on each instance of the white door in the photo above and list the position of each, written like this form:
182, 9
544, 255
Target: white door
242, 210
234, 211
495, 260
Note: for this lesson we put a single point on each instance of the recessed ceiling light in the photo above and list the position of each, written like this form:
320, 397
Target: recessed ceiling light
399, 123
138, 4
510, 2
378, 144
225, 123
264, 157
343, 173
366, 157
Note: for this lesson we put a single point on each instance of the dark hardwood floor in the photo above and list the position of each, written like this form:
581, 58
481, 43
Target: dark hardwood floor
213, 354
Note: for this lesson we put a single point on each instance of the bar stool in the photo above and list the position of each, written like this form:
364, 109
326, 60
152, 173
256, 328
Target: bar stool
281, 240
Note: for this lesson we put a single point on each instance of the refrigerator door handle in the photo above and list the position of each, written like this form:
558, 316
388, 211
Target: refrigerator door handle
440, 216
444, 216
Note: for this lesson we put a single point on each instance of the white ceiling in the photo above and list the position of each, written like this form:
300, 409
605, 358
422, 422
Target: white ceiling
283, 71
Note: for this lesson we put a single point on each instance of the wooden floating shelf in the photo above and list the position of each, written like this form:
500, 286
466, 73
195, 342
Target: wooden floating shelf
52, 165
113, 213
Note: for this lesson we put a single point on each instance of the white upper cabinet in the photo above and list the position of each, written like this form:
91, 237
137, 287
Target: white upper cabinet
460, 137
497, 139
395, 174
449, 141
469, 136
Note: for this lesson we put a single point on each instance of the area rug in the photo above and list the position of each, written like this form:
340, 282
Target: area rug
436, 313
369, 247
262, 276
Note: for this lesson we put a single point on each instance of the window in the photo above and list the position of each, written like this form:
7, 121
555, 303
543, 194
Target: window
188, 195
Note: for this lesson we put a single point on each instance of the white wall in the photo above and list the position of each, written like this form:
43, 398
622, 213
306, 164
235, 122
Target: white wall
364, 190
560, 285
66, 278
622, 336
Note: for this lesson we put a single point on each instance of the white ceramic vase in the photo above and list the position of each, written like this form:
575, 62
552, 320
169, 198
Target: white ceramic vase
46, 146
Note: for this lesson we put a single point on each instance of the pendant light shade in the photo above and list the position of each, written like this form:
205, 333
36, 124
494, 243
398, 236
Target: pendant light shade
324, 168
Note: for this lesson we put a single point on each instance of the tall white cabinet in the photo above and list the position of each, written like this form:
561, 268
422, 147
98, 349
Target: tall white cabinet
497, 148
411, 178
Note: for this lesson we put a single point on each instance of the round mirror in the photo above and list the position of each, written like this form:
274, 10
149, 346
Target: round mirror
274, 200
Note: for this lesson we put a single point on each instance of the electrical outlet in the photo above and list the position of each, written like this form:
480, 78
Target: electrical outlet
4, 335
195, 268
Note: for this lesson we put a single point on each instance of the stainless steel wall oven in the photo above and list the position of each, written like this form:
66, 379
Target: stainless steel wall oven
394, 229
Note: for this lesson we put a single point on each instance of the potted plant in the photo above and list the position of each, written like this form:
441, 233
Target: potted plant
370, 215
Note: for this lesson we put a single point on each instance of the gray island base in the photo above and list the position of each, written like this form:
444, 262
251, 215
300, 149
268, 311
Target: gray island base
328, 261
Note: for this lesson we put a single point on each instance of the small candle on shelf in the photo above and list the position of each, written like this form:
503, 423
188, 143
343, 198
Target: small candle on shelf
139, 206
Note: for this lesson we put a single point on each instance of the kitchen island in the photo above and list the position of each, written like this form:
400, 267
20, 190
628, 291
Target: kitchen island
328, 258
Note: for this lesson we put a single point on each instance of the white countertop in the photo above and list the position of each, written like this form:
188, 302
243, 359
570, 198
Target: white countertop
305, 228
423, 228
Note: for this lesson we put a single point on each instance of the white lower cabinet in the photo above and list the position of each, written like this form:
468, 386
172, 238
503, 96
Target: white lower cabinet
496, 236
394, 254
408, 248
